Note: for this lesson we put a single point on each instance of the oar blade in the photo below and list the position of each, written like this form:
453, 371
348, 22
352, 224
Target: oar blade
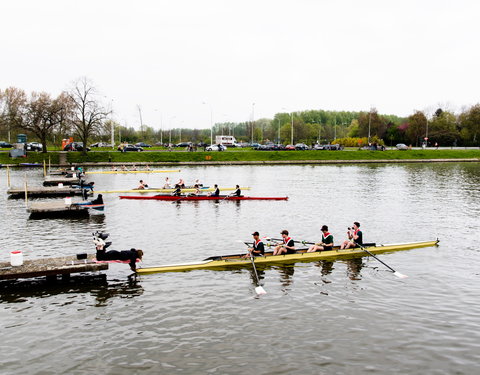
400, 275
260, 291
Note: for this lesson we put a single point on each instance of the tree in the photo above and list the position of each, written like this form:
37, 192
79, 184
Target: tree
417, 127
87, 114
470, 122
370, 123
12, 101
42, 115
443, 128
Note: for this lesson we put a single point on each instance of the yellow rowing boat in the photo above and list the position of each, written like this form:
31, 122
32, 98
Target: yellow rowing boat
236, 260
189, 190
140, 171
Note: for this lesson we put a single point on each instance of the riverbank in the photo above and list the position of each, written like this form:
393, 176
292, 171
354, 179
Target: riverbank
232, 157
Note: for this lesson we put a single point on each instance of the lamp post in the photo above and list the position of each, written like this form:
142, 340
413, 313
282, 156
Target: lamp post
279, 130
369, 123
291, 136
253, 120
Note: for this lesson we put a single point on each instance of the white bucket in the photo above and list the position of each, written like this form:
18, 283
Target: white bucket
16, 258
68, 201
60, 185
73, 168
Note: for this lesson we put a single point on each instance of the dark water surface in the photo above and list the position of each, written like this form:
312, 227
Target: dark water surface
345, 317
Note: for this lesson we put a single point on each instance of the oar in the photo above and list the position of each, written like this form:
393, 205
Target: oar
259, 289
303, 242
396, 273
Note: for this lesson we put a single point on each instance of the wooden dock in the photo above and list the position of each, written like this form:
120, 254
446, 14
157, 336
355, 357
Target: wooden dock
50, 267
56, 209
55, 180
51, 191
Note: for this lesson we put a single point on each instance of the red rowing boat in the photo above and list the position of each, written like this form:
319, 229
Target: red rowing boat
162, 197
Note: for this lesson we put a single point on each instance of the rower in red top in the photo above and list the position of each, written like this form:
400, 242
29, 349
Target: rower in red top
288, 245
325, 244
258, 248
355, 237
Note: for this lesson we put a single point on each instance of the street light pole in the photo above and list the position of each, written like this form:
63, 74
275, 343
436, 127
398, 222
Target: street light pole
253, 119
369, 122
291, 136
279, 130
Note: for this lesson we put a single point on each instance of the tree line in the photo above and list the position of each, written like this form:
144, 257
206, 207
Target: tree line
79, 112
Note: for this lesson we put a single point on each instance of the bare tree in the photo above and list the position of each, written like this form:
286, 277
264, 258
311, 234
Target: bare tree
87, 113
42, 115
12, 102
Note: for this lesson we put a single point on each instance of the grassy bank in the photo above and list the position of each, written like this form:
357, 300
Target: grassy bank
32, 157
240, 155
175, 156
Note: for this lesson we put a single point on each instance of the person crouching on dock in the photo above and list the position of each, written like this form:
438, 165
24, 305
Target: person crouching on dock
325, 244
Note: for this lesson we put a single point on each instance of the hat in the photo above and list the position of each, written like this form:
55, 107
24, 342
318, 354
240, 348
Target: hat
255, 234
284, 232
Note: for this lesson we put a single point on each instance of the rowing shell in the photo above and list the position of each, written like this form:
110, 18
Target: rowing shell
236, 260
201, 198
190, 190
145, 171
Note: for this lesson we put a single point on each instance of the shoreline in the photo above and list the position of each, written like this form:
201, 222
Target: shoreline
254, 162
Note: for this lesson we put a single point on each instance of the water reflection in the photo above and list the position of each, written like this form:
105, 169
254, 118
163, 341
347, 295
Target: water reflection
15, 291
354, 266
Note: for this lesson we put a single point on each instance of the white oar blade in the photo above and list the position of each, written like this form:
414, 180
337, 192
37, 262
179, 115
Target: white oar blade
259, 290
400, 275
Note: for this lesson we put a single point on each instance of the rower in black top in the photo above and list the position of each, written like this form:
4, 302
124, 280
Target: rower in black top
258, 248
177, 192
216, 192
237, 192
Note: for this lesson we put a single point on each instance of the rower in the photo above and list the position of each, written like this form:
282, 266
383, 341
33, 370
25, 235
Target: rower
216, 192
325, 244
142, 185
125, 255
180, 183
258, 248
177, 192
197, 182
355, 237
196, 192
288, 245
237, 192
167, 183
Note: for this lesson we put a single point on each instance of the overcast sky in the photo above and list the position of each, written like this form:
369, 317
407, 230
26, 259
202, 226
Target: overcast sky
171, 57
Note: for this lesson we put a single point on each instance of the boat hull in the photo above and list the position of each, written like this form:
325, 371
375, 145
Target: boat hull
201, 198
233, 261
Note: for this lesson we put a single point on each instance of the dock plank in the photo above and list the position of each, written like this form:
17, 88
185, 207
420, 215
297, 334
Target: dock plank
50, 267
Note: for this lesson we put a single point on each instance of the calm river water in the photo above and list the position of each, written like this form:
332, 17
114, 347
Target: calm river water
346, 317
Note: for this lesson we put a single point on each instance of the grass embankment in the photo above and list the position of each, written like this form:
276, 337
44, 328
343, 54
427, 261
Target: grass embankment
32, 157
238, 155
232, 155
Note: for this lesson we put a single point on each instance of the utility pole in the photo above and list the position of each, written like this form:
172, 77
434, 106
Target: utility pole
369, 123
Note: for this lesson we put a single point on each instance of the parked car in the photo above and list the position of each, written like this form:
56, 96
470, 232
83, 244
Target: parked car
101, 144
255, 146
142, 144
335, 147
301, 146
75, 146
128, 147
183, 144
34, 146
402, 146
242, 144
216, 148
289, 147
5, 145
